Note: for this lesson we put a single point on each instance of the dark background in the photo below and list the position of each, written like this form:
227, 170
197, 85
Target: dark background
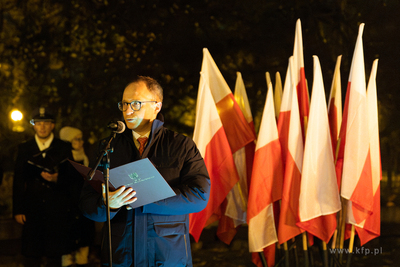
76, 57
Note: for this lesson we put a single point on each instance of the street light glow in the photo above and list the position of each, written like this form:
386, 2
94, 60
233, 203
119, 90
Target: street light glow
16, 115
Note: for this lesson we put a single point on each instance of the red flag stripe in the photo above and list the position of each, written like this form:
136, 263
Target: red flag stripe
234, 122
223, 175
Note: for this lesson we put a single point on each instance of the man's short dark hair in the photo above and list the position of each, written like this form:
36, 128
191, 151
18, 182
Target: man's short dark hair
151, 84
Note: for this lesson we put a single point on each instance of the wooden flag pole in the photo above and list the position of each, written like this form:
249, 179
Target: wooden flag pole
325, 254
342, 228
351, 245
305, 249
333, 246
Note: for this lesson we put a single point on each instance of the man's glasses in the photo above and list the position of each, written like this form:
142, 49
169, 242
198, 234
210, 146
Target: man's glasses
135, 105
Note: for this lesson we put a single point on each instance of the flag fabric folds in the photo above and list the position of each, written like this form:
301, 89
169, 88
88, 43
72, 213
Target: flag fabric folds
371, 227
266, 182
299, 78
356, 175
237, 133
289, 214
319, 195
335, 105
237, 197
356, 180
211, 140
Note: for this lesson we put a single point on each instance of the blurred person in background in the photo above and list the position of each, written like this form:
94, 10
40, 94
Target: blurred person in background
45, 194
83, 227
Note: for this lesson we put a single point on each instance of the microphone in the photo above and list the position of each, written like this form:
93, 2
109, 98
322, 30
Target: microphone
116, 126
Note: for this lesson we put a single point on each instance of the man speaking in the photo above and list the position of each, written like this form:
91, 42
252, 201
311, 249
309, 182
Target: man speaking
155, 234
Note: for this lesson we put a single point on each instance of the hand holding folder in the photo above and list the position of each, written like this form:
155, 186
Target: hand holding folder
140, 175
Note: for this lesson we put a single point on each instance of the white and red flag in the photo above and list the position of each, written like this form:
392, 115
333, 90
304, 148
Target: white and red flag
356, 181
266, 184
335, 105
289, 214
284, 115
319, 195
210, 138
370, 228
300, 77
237, 198
238, 134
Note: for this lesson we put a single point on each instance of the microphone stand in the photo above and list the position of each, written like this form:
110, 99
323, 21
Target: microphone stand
104, 156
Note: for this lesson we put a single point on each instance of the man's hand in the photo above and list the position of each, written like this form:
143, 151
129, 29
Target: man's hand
51, 177
120, 197
20, 218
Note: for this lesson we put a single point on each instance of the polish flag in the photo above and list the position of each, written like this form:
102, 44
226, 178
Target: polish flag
211, 140
284, 115
236, 127
356, 181
289, 214
237, 130
237, 197
300, 77
266, 183
335, 106
370, 228
319, 195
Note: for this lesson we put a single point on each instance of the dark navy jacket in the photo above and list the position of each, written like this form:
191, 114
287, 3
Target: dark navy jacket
50, 208
156, 234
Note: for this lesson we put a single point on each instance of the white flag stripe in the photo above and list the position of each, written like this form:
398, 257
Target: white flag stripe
295, 142
268, 130
356, 148
286, 96
374, 127
207, 114
216, 80
298, 60
262, 234
241, 97
319, 194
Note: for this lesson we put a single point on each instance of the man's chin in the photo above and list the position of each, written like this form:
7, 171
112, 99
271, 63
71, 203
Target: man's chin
131, 126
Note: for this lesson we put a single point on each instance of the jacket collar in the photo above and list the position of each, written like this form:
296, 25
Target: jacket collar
155, 127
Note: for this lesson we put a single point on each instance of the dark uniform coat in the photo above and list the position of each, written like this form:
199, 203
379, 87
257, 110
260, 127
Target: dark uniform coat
156, 234
50, 208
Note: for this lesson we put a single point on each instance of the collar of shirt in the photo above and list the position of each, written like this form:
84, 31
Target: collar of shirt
43, 145
136, 136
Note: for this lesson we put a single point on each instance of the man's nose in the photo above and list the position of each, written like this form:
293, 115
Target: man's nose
129, 110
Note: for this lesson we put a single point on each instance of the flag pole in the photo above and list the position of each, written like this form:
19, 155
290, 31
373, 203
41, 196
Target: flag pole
351, 245
305, 249
325, 254
286, 251
338, 242
333, 246
263, 260
342, 228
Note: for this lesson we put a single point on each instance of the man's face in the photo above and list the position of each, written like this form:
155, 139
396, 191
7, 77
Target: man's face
140, 121
43, 129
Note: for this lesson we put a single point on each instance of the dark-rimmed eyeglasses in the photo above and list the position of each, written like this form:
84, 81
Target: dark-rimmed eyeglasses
135, 105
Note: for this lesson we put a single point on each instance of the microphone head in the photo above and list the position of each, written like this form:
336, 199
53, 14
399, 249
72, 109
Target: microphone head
116, 126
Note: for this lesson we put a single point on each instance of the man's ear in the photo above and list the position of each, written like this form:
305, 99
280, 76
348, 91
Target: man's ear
158, 106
